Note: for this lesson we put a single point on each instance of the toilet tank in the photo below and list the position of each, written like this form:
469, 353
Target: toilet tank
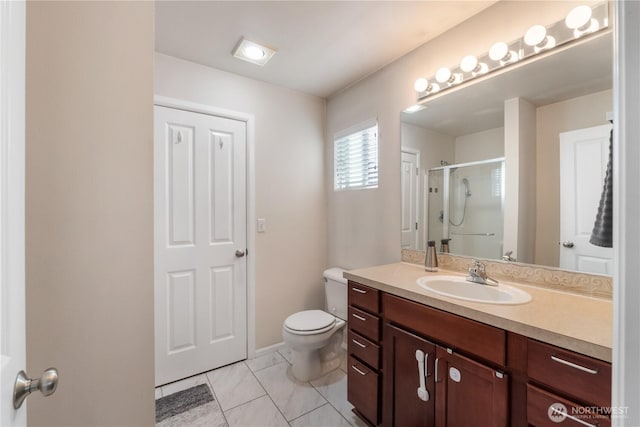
335, 289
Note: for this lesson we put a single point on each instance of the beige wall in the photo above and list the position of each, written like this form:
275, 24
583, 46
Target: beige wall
289, 129
364, 226
89, 211
487, 144
578, 113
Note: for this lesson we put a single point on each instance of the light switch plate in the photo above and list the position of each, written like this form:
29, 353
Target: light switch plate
262, 225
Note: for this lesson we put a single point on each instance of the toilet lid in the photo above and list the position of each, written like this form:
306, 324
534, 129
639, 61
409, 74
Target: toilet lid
309, 320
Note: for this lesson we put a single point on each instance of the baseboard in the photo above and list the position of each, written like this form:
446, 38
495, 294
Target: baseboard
270, 349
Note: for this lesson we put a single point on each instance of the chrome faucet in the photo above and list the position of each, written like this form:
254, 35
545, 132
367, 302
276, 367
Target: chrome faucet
478, 274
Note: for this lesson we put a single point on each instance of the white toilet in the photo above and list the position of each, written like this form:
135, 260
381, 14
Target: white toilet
315, 336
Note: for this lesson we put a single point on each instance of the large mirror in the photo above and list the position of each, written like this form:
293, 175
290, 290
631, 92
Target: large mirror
468, 182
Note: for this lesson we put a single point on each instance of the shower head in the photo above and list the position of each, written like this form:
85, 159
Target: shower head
465, 182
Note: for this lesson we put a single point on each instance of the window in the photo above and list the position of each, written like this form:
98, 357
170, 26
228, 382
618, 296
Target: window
355, 155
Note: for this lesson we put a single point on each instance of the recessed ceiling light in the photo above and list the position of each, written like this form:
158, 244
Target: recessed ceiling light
414, 108
253, 52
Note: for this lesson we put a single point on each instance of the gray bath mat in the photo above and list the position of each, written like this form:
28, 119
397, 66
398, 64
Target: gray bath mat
182, 401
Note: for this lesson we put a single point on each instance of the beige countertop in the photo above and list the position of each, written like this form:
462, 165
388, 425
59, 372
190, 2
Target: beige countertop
579, 323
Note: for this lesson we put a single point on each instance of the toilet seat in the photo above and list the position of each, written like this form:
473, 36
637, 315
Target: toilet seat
310, 322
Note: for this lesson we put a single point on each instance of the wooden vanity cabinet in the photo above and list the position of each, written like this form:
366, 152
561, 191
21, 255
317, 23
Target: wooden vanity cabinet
474, 374
364, 376
460, 391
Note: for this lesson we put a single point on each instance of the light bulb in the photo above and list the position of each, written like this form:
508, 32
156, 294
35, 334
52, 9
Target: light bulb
253, 52
579, 17
468, 63
421, 84
443, 75
499, 51
535, 35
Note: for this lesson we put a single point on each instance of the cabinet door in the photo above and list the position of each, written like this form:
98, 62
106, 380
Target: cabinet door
468, 393
409, 388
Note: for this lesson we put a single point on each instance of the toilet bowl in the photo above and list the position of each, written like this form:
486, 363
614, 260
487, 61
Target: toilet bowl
315, 336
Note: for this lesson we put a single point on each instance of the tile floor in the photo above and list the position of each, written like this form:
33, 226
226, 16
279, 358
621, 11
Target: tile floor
261, 392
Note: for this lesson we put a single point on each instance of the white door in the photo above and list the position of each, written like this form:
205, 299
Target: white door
583, 162
409, 175
200, 242
12, 169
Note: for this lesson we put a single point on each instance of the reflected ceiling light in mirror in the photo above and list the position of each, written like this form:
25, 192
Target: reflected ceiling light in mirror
581, 22
414, 108
537, 38
470, 64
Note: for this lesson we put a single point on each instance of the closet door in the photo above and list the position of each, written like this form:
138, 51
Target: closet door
200, 243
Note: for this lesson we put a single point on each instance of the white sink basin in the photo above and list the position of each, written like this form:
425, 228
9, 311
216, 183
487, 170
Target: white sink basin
459, 288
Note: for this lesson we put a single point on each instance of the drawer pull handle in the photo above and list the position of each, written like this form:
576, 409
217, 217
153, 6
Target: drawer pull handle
573, 365
359, 317
571, 417
360, 291
358, 370
358, 343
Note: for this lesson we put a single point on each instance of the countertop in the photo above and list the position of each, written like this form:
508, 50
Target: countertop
578, 323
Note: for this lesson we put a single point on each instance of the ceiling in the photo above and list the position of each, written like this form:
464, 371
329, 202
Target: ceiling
323, 46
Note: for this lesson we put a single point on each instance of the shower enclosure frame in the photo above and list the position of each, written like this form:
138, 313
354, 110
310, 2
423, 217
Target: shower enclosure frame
446, 191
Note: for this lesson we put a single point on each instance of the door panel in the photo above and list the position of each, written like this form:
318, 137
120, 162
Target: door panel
402, 379
200, 223
468, 393
409, 184
583, 162
12, 209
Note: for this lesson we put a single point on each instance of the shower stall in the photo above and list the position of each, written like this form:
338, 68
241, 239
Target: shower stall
466, 205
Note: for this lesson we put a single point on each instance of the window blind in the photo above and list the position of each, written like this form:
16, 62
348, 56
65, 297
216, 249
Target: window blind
356, 158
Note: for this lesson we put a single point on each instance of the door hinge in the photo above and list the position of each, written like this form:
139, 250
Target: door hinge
417, 171
416, 225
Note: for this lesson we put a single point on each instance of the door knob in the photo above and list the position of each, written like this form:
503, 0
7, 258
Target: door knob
47, 384
568, 244
239, 253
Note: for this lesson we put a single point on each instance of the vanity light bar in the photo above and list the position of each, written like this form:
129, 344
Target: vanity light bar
580, 21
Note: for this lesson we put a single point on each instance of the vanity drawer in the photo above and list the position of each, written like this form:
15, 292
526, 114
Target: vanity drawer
363, 388
364, 323
465, 335
579, 376
364, 297
538, 404
364, 350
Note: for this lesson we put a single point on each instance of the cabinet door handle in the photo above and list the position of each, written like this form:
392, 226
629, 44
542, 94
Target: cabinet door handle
358, 370
423, 394
426, 365
358, 343
359, 317
435, 369
360, 291
554, 410
575, 366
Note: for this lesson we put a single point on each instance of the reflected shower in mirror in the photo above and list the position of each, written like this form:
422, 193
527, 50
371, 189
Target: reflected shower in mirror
466, 208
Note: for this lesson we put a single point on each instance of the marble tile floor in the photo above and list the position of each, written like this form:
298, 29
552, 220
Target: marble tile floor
261, 392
